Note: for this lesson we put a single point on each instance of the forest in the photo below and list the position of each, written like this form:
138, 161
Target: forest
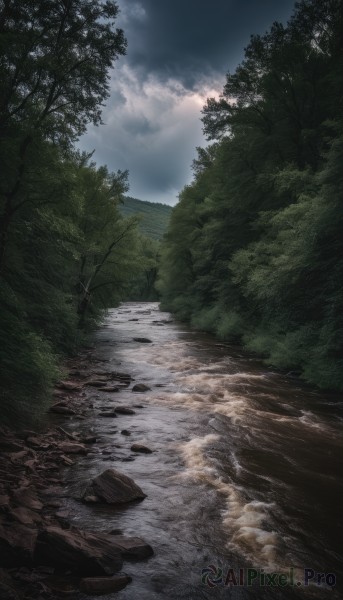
66, 251
254, 251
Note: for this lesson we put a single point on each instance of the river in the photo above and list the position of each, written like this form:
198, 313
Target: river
246, 469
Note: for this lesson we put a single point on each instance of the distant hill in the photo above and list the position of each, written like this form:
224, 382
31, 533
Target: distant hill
155, 216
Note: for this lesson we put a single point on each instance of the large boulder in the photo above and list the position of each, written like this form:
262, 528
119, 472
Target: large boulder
76, 551
114, 487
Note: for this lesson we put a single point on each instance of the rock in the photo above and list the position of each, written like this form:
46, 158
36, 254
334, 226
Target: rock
112, 388
141, 448
37, 443
27, 496
132, 547
103, 585
69, 385
62, 409
91, 439
123, 410
72, 448
64, 586
114, 487
108, 413
98, 383
26, 516
76, 551
142, 340
140, 387
17, 544
4, 501
125, 432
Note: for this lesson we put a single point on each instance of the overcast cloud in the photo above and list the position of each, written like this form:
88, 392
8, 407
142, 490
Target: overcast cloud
178, 54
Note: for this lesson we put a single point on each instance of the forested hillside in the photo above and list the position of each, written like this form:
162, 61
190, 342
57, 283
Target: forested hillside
154, 217
66, 253
254, 251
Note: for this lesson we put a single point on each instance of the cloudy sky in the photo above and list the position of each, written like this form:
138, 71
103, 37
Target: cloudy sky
178, 54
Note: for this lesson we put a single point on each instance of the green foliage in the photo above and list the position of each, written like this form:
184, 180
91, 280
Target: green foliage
153, 216
254, 248
66, 252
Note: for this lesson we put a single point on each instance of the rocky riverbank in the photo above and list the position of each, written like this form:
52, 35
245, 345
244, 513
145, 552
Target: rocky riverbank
42, 555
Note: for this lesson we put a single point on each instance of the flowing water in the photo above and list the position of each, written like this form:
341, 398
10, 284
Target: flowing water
245, 473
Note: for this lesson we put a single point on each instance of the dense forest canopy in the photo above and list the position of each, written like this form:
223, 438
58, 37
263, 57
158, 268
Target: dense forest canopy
66, 252
254, 251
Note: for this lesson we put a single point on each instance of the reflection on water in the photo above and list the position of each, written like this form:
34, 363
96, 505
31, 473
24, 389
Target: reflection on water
246, 468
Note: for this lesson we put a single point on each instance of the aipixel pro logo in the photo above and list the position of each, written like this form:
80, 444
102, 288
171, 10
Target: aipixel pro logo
213, 576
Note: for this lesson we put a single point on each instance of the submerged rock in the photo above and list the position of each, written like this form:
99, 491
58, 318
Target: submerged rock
141, 448
142, 340
114, 487
141, 387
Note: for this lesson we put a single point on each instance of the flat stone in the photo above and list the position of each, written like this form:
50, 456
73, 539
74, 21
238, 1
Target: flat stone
114, 487
103, 585
69, 385
132, 547
27, 496
141, 448
72, 448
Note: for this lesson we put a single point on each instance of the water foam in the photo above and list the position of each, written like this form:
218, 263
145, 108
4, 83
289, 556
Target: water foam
244, 521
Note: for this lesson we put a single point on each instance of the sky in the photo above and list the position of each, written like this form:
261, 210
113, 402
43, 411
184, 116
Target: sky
178, 54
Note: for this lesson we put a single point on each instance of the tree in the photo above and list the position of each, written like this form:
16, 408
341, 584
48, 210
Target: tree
54, 72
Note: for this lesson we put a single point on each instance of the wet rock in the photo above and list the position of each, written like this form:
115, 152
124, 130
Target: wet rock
91, 439
17, 544
76, 551
25, 516
125, 432
112, 389
114, 487
27, 496
141, 448
142, 340
104, 585
98, 383
72, 448
141, 387
132, 547
69, 385
37, 443
123, 410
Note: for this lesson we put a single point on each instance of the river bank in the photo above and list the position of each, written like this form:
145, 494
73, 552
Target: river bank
244, 470
42, 555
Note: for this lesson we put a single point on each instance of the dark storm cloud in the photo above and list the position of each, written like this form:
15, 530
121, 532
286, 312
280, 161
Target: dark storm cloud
178, 54
190, 39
